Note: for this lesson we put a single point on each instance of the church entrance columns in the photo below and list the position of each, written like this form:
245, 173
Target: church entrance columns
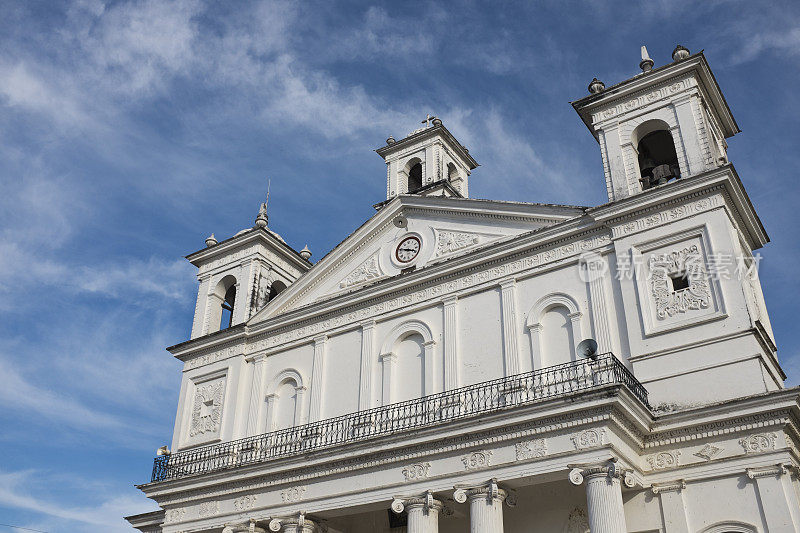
423, 512
485, 506
603, 495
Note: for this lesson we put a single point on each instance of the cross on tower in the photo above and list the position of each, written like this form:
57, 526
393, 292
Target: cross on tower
428, 120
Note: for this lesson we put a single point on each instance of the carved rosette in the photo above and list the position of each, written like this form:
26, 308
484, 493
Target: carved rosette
416, 471
588, 438
476, 460
686, 262
531, 449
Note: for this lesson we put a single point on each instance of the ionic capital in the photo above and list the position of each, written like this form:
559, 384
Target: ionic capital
249, 527
296, 523
609, 469
490, 491
426, 501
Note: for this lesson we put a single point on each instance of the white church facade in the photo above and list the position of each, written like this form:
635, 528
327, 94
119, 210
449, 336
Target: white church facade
429, 374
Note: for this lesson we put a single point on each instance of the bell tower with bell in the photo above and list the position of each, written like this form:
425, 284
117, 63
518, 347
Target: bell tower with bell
428, 161
664, 123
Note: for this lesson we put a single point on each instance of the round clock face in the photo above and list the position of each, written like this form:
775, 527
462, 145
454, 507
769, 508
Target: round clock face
408, 249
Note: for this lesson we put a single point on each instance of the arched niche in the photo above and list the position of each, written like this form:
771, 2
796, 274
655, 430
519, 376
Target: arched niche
544, 316
222, 303
285, 401
395, 370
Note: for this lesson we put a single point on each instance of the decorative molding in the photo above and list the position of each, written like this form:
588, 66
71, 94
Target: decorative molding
367, 271
758, 443
588, 438
245, 503
212, 355
767, 471
207, 407
416, 471
476, 460
174, 515
668, 215
448, 242
715, 429
208, 509
662, 460
670, 486
643, 98
708, 452
531, 449
687, 262
293, 494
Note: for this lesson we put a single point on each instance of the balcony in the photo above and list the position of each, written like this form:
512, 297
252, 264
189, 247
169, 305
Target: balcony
481, 398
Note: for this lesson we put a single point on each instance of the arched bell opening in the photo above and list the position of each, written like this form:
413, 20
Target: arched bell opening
658, 160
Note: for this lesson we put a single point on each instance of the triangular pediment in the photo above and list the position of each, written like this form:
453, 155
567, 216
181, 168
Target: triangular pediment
412, 232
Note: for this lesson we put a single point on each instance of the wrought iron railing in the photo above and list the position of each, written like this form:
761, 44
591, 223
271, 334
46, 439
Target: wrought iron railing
481, 398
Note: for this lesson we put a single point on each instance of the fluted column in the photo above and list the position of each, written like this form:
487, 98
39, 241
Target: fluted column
318, 378
485, 506
603, 495
255, 413
451, 378
367, 349
423, 512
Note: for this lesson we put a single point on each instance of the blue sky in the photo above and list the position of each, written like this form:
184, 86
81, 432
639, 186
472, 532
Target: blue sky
131, 130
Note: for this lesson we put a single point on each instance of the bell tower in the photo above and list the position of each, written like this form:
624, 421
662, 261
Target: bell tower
665, 123
428, 161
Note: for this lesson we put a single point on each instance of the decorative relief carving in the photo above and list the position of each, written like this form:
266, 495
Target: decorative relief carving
293, 494
759, 443
662, 460
476, 460
669, 215
642, 99
451, 241
366, 271
708, 452
417, 471
589, 438
688, 263
174, 515
213, 356
208, 509
207, 407
322, 325
531, 449
245, 503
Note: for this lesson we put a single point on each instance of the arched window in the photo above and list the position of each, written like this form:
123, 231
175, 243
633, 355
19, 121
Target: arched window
730, 527
554, 323
276, 288
410, 367
286, 405
415, 177
452, 172
658, 161
409, 378
227, 308
222, 303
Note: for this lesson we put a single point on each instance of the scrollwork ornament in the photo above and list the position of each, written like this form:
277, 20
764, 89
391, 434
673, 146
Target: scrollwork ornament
398, 506
275, 524
460, 495
628, 479
576, 476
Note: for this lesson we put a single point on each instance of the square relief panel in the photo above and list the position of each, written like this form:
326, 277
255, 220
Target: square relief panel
674, 285
205, 410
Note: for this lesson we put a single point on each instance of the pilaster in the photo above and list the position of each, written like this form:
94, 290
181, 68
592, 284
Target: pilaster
318, 378
673, 508
510, 352
777, 497
595, 273
387, 362
451, 374
255, 413
367, 351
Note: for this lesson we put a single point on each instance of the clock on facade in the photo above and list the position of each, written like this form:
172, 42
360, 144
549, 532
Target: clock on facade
408, 249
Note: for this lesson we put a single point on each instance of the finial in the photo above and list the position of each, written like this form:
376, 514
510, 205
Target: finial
211, 241
305, 253
262, 219
646, 64
596, 86
680, 52
437, 122
390, 141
